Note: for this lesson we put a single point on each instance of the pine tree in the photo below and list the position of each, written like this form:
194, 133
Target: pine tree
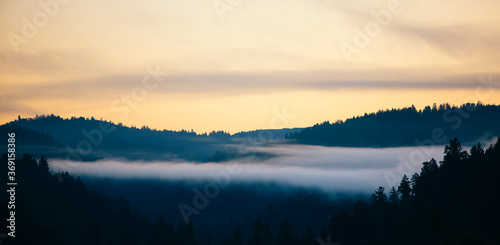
405, 189
429, 167
258, 233
394, 196
268, 234
237, 237
454, 152
379, 197
285, 234
43, 166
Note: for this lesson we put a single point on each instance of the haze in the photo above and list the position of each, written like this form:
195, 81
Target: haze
332, 169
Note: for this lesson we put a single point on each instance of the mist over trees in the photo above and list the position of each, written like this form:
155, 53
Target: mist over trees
451, 202
454, 201
90, 139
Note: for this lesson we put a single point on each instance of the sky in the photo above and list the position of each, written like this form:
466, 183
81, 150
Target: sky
239, 65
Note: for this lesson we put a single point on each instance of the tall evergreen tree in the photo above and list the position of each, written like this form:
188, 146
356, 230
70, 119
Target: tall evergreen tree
454, 152
394, 196
379, 197
285, 234
405, 189
43, 166
237, 237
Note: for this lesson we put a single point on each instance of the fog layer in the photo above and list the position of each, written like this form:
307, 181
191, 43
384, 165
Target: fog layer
332, 169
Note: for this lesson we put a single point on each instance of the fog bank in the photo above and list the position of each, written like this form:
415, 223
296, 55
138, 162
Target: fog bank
332, 169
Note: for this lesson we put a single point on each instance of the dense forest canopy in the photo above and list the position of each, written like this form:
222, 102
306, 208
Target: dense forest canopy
89, 139
450, 202
72, 138
406, 127
84, 139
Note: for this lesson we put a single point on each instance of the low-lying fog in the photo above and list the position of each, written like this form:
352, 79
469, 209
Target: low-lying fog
332, 169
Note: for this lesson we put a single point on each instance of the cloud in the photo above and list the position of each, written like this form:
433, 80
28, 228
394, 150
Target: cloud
228, 84
11, 105
48, 63
460, 41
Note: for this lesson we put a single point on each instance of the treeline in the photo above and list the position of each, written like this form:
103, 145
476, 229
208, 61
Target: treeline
43, 120
451, 202
59, 209
28, 137
239, 204
455, 201
90, 139
402, 127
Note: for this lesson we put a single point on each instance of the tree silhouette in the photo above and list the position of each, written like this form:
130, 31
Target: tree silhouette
454, 203
454, 152
394, 196
43, 166
237, 237
379, 197
405, 189
258, 233
268, 238
286, 235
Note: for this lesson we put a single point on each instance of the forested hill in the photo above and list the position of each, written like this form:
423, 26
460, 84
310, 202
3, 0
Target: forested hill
84, 139
87, 139
407, 127
91, 139
451, 202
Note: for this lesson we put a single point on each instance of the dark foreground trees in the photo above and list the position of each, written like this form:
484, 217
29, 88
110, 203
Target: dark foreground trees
455, 201
59, 209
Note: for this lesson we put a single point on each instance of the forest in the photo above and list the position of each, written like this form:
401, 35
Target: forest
408, 126
454, 201
90, 139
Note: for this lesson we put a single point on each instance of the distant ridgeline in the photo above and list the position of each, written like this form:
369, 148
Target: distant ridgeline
90, 139
407, 127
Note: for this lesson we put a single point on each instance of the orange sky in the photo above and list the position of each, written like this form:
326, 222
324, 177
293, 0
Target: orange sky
238, 67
